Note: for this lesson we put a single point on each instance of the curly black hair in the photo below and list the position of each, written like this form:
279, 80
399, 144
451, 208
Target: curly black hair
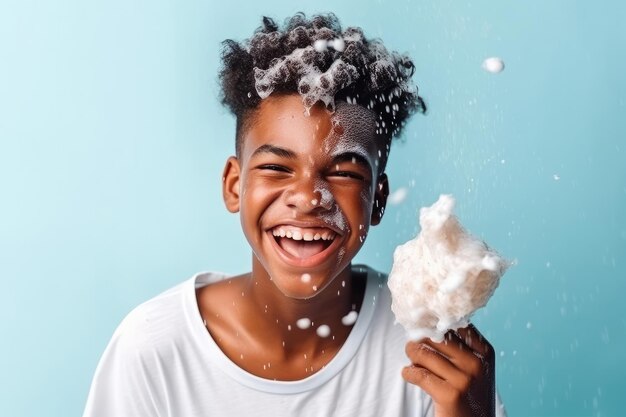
315, 58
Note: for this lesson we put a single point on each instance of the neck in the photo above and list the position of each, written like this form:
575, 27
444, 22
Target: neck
303, 325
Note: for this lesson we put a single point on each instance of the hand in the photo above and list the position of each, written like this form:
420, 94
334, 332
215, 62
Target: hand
458, 373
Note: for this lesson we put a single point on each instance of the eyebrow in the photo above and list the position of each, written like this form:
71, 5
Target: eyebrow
278, 151
353, 157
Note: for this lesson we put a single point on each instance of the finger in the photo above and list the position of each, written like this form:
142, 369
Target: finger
452, 347
475, 340
428, 381
469, 362
425, 356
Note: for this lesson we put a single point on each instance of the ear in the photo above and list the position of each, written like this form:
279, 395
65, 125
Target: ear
230, 184
380, 199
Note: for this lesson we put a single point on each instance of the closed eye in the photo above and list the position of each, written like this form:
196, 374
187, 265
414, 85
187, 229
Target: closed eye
348, 174
272, 167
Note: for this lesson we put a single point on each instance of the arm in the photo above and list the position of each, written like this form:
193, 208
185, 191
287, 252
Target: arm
458, 373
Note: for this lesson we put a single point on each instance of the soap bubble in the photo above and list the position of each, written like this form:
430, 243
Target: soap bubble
398, 196
303, 323
323, 331
493, 65
320, 45
350, 318
337, 44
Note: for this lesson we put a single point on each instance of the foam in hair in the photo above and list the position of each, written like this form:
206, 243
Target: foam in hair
303, 67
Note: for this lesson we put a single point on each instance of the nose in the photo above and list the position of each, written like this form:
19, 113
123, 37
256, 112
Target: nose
309, 194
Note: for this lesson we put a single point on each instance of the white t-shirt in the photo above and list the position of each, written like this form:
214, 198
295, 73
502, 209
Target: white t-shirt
162, 361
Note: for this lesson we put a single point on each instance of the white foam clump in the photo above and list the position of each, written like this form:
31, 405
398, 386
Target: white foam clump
323, 331
322, 45
350, 318
303, 323
493, 65
440, 278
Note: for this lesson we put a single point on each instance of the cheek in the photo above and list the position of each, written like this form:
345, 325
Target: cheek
357, 207
367, 197
256, 191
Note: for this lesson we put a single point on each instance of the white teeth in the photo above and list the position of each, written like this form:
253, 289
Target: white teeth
299, 235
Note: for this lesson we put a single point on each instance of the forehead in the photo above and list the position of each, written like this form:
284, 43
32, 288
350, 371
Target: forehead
283, 119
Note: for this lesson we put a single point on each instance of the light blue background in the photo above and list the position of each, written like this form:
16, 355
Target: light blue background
112, 142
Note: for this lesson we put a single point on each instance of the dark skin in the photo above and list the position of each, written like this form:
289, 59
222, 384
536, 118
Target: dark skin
308, 188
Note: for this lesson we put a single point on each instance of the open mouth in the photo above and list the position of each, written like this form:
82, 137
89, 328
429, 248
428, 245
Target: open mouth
303, 243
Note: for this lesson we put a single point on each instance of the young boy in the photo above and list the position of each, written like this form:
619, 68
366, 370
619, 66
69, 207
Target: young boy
305, 332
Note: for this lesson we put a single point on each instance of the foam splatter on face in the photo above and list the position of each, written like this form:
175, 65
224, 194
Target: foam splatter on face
353, 133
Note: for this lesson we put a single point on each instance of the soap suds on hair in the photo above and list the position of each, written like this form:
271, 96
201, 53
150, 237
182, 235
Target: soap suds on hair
440, 278
303, 67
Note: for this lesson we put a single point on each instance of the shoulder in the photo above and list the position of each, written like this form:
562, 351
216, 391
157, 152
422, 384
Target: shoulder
148, 324
163, 320
157, 321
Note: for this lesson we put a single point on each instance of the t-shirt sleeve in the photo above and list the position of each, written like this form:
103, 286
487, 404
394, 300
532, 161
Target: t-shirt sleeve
125, 383
500, 410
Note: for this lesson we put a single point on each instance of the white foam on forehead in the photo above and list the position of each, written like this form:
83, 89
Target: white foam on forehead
357, 125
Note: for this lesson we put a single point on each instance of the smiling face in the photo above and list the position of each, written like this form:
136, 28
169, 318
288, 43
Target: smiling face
307, 189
